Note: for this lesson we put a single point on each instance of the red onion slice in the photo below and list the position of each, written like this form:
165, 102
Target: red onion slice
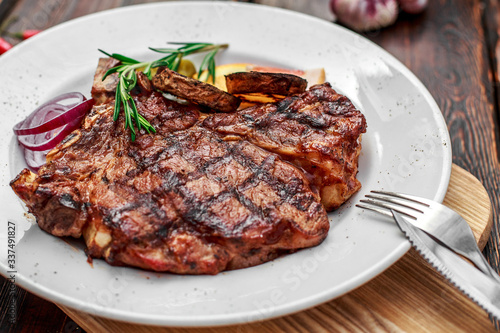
35, 159
52, 115
49, 124
50, 139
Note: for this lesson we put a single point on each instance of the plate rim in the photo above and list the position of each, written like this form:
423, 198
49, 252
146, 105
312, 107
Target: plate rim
54, 296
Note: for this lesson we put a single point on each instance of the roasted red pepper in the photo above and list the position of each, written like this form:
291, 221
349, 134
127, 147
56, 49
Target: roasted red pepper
4, 46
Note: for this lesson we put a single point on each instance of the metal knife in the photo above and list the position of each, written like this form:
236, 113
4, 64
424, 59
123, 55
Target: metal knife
476, 285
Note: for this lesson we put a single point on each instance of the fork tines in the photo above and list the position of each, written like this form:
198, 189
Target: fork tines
382, 202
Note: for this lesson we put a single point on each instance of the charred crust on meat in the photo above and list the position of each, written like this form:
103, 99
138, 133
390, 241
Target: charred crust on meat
265, 83
318, 130
187, 199
66, 200
195, 91
68, 138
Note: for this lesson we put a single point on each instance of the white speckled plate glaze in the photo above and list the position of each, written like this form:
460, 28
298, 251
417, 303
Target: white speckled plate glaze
406, 148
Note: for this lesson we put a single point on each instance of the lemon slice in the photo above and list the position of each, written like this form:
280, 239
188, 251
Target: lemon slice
186, 68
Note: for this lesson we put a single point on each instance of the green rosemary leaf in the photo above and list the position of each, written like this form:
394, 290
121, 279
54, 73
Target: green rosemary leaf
193, 47
130, 79
118, 99
147, 70
122, 58
111, 71
211, 69
128, 121
164, 50
177, 61
135, 113
147, 126
208, 63
165, 61
106, 53
203, 66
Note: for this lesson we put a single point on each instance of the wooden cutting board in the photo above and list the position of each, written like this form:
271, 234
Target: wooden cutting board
410, 296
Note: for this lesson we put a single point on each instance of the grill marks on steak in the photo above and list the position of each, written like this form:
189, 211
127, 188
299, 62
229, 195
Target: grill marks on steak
207, 173
319, 131
235, 195
206, 193
183, 200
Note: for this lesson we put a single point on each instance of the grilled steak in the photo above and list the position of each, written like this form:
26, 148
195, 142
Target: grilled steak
318, 131
195, 91
104, 90
265, 83
183, 200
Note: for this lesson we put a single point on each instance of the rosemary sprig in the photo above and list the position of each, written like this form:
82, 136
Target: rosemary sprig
174, 56
127, 77
127, 80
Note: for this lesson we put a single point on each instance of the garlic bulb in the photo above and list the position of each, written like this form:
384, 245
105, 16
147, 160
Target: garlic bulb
363, 15
413, 6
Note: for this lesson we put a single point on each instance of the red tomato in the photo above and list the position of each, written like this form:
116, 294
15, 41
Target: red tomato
29, 33
4, 46
25, 34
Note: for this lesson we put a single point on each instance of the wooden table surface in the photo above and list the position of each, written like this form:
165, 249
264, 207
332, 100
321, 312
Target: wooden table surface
453, 48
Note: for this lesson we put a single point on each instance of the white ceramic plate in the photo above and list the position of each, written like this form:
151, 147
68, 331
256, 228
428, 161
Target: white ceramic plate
406, 148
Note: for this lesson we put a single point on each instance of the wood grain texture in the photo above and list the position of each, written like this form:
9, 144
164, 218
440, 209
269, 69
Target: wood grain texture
5, 7
491, 22
461, 184
410, 296
446, 47
32, 313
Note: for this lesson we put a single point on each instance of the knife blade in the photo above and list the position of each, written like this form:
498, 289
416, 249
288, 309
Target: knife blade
473, 283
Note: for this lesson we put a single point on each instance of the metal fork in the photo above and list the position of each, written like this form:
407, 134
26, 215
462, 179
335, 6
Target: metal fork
439, 221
